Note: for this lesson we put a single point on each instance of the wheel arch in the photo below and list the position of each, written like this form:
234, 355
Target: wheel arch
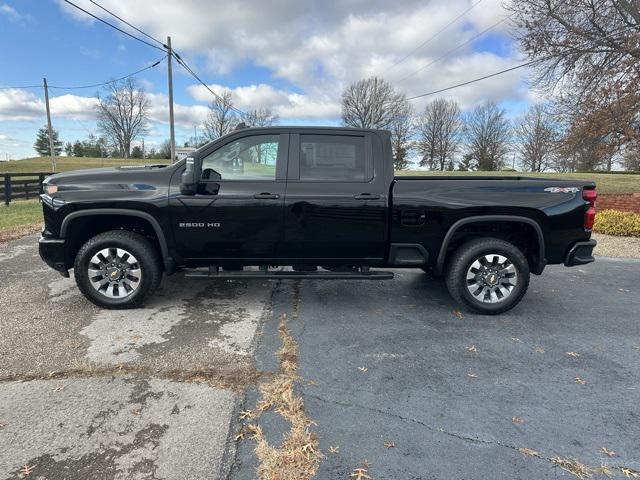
169, 264
538, 265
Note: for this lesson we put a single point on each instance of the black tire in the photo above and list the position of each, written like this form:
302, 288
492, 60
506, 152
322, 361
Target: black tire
461, 262
147, 258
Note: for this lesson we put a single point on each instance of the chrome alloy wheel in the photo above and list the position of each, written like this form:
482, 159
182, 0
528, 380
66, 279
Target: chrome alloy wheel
114, 273
491, 278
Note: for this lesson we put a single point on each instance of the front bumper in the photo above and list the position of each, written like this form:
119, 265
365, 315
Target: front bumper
52, 252
580, 254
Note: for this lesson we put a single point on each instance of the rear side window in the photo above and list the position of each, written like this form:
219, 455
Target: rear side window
333, 158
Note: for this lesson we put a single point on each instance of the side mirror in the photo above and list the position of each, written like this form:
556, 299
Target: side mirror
190, 176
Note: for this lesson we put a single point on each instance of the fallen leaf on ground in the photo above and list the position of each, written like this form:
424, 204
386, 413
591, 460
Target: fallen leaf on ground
516, 339
136, 411
472, 375
458, 313
573, 466
389, 445
580, 381
528, 452
363, 369
608, 452
2, 425
244, 414
312, 383
27, 469
239, 436
360, 474
58, 388
517, 420
573, 354
630, 472
539, 349
308, 449
335, 449
472, 349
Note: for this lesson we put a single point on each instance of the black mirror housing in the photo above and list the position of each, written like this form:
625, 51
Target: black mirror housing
190, 176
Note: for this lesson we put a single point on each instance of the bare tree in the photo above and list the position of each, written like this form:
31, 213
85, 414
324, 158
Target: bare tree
222, 117
587, 54
370, 103
488, 136
123, 114
260, 117
631, 158
374, 103
439, 130
538, 137
402, 128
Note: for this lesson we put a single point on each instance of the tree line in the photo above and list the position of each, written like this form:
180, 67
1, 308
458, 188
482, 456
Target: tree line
586, 60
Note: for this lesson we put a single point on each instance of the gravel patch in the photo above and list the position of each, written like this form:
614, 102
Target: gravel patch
610, 246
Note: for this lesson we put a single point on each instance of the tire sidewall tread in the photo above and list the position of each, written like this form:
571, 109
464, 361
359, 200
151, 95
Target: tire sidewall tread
140, 247
468, 252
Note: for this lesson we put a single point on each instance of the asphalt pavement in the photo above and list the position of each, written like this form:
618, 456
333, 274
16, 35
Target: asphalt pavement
396, 378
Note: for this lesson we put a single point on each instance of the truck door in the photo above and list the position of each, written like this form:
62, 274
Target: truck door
237, 212
335, 204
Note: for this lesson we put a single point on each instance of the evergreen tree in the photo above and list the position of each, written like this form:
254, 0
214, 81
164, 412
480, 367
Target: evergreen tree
78, 149
42, 142
467, 164
136, 152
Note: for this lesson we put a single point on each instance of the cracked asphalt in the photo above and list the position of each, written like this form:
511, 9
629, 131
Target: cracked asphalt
392, 362
155, 393
128, 394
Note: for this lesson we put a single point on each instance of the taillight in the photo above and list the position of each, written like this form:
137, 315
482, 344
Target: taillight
590, 195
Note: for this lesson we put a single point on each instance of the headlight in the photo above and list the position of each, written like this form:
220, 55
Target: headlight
50, 189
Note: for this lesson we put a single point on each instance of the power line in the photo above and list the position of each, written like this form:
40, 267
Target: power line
442, 57
127, 23
474, 80
79, 87
188, 69
155, 64
432, 37
112, 25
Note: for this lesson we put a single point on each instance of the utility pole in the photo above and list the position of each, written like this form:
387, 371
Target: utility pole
195, 135
172, 134
52, 153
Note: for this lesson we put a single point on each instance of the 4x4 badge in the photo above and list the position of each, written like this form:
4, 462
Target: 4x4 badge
562, 189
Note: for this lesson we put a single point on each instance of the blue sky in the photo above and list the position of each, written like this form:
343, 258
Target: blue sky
293, 57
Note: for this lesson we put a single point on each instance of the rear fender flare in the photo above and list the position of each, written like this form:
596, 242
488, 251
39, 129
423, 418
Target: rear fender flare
537, 268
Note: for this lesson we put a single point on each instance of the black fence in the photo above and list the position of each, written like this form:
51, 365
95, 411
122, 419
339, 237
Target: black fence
21, 186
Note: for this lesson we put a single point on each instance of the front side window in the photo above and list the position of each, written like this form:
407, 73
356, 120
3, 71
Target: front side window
247, 158
332, 158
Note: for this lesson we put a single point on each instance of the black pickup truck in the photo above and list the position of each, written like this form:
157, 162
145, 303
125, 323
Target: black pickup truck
288, 202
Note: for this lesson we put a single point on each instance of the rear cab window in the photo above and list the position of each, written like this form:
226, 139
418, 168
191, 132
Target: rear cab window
334, 158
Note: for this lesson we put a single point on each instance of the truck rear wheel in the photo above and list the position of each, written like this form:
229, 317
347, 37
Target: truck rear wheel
488, 275
117, 269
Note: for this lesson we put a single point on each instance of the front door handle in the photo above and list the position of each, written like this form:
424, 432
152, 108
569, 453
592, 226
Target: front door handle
367, 196
266, 196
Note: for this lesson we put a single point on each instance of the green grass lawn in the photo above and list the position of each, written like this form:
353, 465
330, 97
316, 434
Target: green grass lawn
64, 164
18, 215
606, 182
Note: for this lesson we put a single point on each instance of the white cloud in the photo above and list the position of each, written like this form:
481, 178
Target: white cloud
319, 47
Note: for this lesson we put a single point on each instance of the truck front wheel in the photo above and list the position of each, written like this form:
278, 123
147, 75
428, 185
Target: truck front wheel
117, 269
488, 275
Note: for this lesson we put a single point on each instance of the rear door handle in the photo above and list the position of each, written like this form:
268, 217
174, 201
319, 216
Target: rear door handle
367, 196
266, 196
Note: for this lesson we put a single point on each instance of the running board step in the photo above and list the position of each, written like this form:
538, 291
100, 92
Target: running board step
289, 274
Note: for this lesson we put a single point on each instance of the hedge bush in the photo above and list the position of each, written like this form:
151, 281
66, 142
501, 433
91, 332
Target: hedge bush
614, 222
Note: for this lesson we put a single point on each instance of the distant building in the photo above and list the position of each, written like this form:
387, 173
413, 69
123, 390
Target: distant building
183, 152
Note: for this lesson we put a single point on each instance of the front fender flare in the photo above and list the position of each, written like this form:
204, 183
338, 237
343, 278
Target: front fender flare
169, 263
